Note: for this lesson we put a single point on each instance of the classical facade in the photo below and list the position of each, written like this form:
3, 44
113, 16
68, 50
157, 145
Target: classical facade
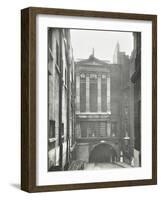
61, 97
98, 110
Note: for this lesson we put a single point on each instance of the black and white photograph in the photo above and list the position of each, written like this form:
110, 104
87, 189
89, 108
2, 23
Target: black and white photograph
94, 99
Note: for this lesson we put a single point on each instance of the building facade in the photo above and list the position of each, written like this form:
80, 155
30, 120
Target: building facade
60, 99
99, 134
135, 66
131, 101
126, 104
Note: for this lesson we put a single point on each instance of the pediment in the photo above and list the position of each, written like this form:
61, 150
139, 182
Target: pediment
92, 61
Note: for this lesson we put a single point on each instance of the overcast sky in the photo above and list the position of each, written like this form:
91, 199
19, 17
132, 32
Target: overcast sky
103, 42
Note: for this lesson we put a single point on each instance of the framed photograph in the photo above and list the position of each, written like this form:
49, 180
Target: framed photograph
88, 99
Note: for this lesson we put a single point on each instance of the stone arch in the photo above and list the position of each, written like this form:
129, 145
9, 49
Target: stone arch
103, 152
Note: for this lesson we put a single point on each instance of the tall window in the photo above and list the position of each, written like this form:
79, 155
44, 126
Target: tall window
104, 93
82, 93
84, 129
65, 77
50, 40
51, 132
114, 129
93, 93
102, 129
50, 50
57, 54
51, 128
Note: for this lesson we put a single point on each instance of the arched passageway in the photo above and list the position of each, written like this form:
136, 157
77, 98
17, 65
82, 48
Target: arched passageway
102, 153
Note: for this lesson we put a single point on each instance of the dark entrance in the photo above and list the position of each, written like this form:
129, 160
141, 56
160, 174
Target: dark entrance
102, 153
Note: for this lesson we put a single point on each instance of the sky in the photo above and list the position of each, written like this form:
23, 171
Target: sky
103, 42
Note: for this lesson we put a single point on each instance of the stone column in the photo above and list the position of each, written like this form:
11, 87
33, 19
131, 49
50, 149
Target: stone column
108, 95
99, 93
78, 93
87, 93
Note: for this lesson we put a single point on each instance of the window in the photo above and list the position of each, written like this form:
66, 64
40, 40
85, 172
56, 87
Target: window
108, 129
51, 129
104, 94
50, 50
50, 40
57, 54
65, 77
93, 93
51, 132
102, 128
114, 129
82, 93
83, 126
